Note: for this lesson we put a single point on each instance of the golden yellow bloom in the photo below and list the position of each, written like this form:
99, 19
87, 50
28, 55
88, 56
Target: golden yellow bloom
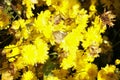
117, 61
76, 35
80, 60
93, 34
29, 54
18, 23
91, 38
22, 23
21, 28
92, 9
15, 25
71, 41
33, 54
14, 51
42, 49
51, 77
19, 63
89, 72
74, 11
49, 2
42, 24
92, 71
107, 73
29, 75
69, 61
29, 13
25, 33
62, 6
30, 5
11, 51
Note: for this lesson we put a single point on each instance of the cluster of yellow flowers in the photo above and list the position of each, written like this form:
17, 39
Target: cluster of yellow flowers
60, 43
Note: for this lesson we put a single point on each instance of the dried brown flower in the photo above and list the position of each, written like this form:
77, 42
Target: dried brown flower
59, 36
108, 18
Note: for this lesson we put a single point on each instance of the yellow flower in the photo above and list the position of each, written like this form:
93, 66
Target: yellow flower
92, 9
76, 35
15, 25
42, 24
74, 11
71, 41
22, 23
19, 63
18, 23
25, 33
29, 54
63, 6
14, 51
107, 73
21, 28
29, 13
49, 2
93, 34
92, 71
11, 51
42, 49
91, 38
29, 75
117, 61
51, 77
30, 5
66, 5
33, 54
69, 61
89, 72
